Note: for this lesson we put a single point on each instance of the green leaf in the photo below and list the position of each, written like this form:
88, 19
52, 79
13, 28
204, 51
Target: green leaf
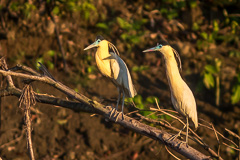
102, 26
211, 69
39, 60
172, 14
76, 90
195, 27
135, 68
193, 4
50, 65
151, 99
153, 116
215, 26
140, 106
208, 80
91, 69
236, 94
204, 35
218, 64
51, 53
124, 24
56, 10
138, 99
14, 6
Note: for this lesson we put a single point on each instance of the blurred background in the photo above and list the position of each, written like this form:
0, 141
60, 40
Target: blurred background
205, 33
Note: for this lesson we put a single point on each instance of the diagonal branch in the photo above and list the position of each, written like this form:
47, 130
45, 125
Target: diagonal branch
87, 104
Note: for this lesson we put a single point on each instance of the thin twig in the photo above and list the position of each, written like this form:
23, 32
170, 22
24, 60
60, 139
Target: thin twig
232, 133
13, 141
24, 68
172, 154
203, 144
217, 138
231, 146
28, 99
218, 134
59, 42
4, 66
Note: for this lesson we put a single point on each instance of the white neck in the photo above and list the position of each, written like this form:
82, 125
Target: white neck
172, 72
102, 51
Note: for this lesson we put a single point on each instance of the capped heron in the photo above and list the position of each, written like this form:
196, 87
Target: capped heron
181, 96
113, 67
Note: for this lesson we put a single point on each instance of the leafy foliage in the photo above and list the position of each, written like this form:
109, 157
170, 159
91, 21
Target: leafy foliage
132, 31
211, 78
143, 106
236, 91
210, 72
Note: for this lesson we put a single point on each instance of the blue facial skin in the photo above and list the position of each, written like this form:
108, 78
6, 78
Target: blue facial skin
158, 47
97, 41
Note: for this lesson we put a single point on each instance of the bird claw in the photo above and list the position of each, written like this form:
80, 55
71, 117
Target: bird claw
174, 137
112, 112
179, 145
118, 116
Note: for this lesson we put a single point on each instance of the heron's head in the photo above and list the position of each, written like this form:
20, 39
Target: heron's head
166, 50
162, 47
97, 42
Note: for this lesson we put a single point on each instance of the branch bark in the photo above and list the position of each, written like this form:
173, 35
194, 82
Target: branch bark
87, 105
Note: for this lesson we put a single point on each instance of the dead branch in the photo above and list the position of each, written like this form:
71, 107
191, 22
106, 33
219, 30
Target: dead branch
88, 105
59, 42
197, 139
27, 99
13, 141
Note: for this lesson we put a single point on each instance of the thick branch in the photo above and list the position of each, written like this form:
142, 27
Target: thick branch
105, 111
43, 98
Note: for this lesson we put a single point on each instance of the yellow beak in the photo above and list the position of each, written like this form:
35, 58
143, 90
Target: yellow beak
150, 49
91, 46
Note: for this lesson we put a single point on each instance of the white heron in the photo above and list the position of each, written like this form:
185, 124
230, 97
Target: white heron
114, 68
181, 95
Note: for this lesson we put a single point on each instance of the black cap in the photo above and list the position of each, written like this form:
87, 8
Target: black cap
99, 37
164, 43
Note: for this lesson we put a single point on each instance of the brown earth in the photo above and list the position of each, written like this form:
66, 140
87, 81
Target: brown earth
60, 133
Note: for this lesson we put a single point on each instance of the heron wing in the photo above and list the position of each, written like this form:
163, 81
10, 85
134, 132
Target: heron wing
121, 75
184, 102
190, 105
115, 68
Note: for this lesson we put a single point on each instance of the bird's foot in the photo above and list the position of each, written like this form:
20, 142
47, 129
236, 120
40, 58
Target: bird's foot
112, 112
119, 115
179, 145
174, 137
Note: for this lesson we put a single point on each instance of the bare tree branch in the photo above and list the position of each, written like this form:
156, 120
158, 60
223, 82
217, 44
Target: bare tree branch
27, 99
88, 105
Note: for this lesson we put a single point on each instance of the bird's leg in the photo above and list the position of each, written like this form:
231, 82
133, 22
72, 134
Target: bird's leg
187, 133
119, 97
186, 142
177, 135
123, 97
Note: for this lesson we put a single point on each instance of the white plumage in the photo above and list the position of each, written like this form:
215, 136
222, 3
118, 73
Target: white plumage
113, 67
181, 96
